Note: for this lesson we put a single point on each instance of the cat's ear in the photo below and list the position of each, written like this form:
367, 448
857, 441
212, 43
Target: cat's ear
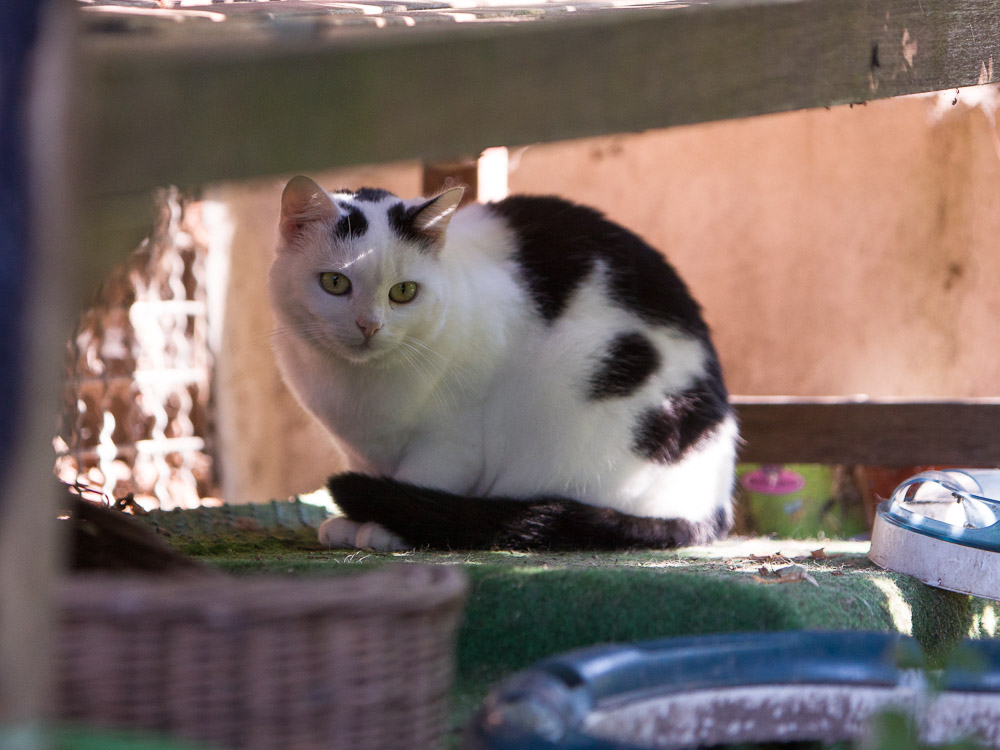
432, 218
303, 202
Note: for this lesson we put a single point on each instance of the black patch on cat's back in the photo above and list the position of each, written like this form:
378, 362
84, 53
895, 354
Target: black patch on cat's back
352, 222
560, 243
666, 431
630, 360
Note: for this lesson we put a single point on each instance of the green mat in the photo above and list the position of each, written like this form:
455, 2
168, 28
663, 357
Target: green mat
525, 606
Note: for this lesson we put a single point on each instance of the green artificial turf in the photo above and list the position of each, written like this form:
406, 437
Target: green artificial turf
523, 607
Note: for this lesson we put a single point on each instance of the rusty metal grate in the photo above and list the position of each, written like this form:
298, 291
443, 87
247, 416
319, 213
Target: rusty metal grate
136, 417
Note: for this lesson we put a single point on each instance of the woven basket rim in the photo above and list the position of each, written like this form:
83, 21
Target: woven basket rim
402, 588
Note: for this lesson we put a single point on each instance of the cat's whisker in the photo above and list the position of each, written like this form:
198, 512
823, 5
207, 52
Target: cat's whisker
426, 374
456, 369
426, 349
274, 333
250, 353
311, 332
435, 393
433, 376
280, 335
456, 372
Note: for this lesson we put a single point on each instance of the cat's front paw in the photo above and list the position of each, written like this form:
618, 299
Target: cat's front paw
340, 532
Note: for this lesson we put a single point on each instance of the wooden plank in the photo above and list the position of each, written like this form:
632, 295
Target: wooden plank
228, 102
886, 433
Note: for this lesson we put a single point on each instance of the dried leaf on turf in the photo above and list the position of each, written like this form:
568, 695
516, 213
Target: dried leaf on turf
788, 574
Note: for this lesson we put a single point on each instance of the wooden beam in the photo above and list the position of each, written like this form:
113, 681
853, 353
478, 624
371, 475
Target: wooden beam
880, 433
194, 103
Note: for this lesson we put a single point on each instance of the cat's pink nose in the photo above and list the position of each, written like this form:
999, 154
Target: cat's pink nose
369, 327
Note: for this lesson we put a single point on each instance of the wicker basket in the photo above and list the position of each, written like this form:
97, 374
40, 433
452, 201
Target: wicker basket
348, 662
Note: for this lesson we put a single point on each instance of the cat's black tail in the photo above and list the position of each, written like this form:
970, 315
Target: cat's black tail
431, 518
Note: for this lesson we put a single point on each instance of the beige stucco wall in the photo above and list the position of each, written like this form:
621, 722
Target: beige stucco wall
842, 251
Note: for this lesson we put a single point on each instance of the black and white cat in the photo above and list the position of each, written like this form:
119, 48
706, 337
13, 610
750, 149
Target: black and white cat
519, 374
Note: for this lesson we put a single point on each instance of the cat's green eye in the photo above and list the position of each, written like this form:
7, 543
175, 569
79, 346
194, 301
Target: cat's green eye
334, 283
403, 292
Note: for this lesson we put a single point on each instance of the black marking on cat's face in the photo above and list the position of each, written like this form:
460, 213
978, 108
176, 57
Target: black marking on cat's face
352, 222
665, 432
559, 244
401, 222
372, 195
630, 360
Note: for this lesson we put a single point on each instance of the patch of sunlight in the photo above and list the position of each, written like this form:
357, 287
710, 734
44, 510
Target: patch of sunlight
441, 559
976, 626
984, 623
320, 497
990, 620
675, 563
529, 570
899, 610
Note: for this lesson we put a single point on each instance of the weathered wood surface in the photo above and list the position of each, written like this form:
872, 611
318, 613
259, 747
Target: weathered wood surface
880, 433
280, 87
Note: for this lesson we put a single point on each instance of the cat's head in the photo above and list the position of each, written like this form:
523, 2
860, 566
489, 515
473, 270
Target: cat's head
357, 273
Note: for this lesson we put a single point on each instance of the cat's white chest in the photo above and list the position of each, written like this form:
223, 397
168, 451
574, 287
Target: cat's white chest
387, 417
